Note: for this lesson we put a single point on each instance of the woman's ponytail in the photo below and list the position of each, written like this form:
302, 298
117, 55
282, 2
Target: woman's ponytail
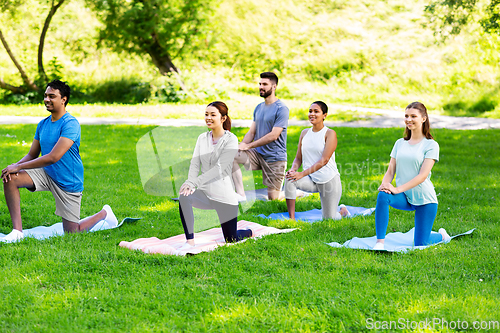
227, 124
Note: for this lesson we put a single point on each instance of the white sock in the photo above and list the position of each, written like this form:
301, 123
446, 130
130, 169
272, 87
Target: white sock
379, 246
14, 236
110, 217
444, 234
185, 247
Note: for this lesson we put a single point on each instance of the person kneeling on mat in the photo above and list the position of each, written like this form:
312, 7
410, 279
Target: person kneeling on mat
213, 189
412, 159
316, 151
59, 169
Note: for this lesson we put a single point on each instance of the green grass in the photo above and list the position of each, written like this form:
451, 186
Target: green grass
240, 106
281, 283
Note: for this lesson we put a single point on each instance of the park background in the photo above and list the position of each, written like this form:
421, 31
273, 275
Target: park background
381, 54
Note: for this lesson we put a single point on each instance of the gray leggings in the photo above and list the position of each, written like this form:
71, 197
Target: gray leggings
329, 193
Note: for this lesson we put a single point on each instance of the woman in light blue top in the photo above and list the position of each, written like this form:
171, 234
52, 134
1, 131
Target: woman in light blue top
412, 159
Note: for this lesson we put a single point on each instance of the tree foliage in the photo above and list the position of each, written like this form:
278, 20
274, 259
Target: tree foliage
452, 15
9, 7
164, 30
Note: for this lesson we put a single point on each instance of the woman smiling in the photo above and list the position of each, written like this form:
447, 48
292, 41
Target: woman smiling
316, 151
412, 159
213, 189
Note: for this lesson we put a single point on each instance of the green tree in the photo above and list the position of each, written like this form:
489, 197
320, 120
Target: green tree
164, 30
452, 15
29, 84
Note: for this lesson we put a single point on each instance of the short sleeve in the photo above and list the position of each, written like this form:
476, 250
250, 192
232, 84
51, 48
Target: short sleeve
394, 151
37, 132
432, 150
71, 130
282, 117
255, 111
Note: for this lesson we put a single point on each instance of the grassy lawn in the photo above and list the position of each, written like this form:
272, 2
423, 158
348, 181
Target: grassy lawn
240, 107
281, 283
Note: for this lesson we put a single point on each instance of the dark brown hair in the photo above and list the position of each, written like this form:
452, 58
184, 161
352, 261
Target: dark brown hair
426, 126
222, 107
271, 76
322, 106
63, 88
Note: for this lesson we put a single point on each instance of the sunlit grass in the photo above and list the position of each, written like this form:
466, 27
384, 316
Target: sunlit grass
289, 282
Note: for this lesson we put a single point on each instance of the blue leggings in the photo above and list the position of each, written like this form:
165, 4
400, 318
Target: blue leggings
424, 217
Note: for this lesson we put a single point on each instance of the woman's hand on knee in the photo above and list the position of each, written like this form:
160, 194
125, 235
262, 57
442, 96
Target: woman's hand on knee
388, 188
186, 190
385, 187
293, 175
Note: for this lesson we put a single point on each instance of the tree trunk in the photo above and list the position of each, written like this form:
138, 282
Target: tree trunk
25, 77
14, 89
161, 59
41, 70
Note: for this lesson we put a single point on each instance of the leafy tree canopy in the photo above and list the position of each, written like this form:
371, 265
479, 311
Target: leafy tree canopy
452, 15
162, 29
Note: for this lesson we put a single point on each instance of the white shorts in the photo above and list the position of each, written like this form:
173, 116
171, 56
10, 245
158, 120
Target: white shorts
67, 203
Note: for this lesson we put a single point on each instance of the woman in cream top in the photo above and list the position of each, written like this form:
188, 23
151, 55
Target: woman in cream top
212, 189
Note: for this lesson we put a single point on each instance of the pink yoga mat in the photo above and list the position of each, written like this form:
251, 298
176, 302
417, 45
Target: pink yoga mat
205, 241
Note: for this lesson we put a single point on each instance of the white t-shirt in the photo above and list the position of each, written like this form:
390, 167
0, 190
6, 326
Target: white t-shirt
313, 146
409, 160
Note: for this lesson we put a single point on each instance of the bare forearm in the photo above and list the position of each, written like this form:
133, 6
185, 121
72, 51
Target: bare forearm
248, 137
39, 162
296, 164
268, 138
315, 167
419, 179
26, 158
388, 177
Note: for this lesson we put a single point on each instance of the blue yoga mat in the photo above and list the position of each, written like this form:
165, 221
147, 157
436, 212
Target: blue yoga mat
314, 215
394, 242
42, 232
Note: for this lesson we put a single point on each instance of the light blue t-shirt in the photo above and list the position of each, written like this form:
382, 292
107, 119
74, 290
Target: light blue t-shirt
266, 117
67, 173
409, 160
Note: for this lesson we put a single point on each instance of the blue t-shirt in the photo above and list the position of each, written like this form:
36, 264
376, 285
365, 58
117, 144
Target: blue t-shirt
266, 117
67, 173
409, 160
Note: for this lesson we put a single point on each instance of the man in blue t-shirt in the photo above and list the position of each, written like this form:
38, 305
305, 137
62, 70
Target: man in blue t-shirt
52, 164
264, 145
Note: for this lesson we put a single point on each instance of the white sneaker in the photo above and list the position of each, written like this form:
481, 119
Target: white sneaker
186, 247
379, 246
241, 198
14, 236
444, 234
348, 212
110, 217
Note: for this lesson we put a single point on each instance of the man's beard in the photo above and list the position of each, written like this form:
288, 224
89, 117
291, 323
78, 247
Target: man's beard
266, 94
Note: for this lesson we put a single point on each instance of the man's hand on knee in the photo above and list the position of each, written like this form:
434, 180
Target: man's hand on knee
12, 169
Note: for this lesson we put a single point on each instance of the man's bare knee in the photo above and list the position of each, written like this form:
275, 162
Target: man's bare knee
273, 194
70, 227
19, 180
